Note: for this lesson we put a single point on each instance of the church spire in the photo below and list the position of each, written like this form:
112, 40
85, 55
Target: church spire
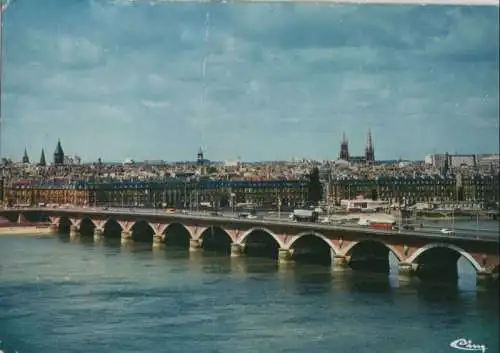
369, 150
199, 157
344, 148
58, 154
42, 162
26, 159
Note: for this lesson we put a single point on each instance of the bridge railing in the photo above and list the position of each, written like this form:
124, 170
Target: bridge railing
451, 227
486, 234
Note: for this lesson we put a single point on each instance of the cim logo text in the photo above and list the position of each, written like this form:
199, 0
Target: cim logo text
467, 345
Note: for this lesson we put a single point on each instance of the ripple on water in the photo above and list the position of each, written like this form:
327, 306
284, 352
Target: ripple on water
63, 297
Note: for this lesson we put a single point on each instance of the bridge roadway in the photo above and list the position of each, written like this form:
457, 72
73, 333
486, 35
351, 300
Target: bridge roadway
430, 232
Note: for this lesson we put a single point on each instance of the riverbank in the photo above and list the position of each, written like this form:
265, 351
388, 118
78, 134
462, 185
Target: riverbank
25, 230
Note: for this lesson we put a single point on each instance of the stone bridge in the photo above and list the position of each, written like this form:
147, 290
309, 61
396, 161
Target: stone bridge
422, 254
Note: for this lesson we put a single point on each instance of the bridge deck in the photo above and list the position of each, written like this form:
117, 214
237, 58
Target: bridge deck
460, 234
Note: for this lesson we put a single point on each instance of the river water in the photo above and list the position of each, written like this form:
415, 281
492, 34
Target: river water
58, 295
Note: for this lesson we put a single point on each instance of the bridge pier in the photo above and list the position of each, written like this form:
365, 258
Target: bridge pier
194, 245
406, 273
126, 236
98, 233
237, 250
157, 240
406, 270
340, 263
53, 229
73, 231
484, 279
284, 256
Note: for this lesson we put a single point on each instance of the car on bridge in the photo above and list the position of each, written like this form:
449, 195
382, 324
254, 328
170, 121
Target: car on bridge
447, 231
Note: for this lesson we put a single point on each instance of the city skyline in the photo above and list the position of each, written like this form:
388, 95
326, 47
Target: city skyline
116, 80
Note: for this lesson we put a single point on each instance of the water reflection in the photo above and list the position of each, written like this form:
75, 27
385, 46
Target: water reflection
112, 296
260, 266
361, 282
86, 241
208, 262
437, 292
312, 280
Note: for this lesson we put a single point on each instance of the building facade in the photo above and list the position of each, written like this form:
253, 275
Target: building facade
171, 193
32, 193
270, 194
178, 193
482, 189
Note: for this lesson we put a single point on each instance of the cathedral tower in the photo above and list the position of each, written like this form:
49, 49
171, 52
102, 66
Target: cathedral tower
369, 149
199, 157
26, 159
59, 154
344, 148
42, 162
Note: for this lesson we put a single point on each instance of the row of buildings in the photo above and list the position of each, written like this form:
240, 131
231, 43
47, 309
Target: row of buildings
267, 194
441, 163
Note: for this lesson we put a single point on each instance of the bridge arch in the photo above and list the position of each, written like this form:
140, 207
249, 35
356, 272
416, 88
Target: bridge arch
142, 231
176, 235
312, 247
371, 255
216, 239
315, 234
112, 229
261, 242
87, 226
426, 249
350, 248
10, 216
244, 237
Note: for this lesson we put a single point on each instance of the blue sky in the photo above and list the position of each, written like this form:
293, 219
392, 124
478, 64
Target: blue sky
117, 80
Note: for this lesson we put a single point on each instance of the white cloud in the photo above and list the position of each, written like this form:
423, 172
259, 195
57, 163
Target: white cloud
156, 104
78, 51
395, 69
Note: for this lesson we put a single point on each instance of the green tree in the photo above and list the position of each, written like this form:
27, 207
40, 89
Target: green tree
211, 170
315, 188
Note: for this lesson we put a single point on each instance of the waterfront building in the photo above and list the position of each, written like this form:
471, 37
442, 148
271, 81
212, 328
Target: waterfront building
416, 189
483, 189
169, 192
476, 189
57, 191
346, 188
202, 193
